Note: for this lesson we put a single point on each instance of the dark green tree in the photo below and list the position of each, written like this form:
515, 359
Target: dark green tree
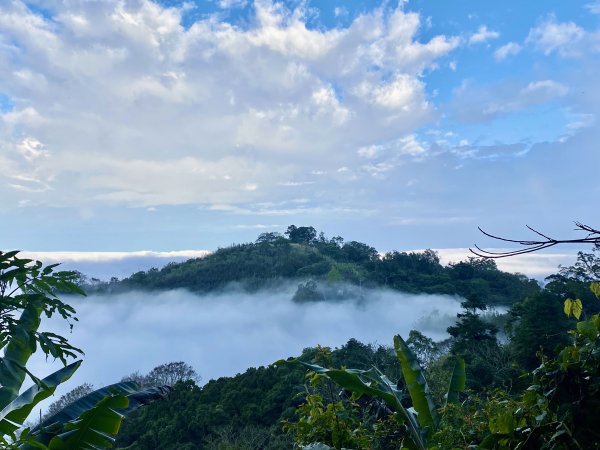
538, 325
301, 235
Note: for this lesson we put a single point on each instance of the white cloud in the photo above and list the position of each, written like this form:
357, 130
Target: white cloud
483, 35
510, 49
251, 329
534, 265
534, 93
108, 257
133, 108
482, 104
593, 7
561, 37
228, 4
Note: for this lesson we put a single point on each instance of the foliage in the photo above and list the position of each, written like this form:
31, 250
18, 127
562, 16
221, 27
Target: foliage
168, 374
541, 325
303, 257
27, 291
68, 398
474, 340
415, 424
560, 409
197, 417
255, 401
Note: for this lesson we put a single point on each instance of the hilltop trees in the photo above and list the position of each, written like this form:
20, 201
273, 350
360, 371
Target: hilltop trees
301, 235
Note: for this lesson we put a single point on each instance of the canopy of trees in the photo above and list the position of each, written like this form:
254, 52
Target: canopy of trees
304, 256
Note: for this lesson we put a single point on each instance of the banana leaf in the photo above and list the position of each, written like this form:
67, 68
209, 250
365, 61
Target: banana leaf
15, 413
62, 422
416, 384
375, 384
457, 382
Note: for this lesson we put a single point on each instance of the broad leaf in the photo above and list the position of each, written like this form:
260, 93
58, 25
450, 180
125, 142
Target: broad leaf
374, 384
595, 288
18, 350
573, 307
15, 413
58, 423
416, 384
457, 382
96, 428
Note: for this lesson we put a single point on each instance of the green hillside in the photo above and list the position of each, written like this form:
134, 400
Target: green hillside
302, 256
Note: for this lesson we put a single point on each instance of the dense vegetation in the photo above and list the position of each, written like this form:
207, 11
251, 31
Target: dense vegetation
28, 292
510, 401
537, 388
317, 262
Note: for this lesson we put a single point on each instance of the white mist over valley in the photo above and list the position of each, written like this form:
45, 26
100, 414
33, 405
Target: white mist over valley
223, 334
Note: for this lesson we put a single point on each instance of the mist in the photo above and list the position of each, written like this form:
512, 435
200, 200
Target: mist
224, 334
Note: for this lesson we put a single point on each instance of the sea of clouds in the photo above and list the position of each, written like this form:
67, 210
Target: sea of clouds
223, 334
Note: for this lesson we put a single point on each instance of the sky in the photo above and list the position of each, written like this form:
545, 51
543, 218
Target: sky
167, 126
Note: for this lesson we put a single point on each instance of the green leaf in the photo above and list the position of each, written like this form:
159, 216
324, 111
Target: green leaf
416, 384
574, 307
374, 384
96, 428
17, 352
595, 288
15, 413
502, 423
57, 424
587, 329
457, 382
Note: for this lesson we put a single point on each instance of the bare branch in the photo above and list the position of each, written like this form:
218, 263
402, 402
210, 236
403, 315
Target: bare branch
529, 246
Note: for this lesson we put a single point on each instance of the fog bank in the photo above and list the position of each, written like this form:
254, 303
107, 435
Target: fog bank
224, 334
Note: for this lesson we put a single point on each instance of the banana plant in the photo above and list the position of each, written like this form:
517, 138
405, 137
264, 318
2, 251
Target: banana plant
29, 291
420, 420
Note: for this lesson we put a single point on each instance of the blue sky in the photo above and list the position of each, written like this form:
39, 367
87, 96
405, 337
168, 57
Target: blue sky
165, 126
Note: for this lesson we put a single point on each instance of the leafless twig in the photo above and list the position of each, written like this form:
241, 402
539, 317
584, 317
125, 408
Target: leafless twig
529, 246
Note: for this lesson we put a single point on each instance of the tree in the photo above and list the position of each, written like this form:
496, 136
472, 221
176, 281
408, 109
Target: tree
27, 292
413, 426
171, 373
540, 326
475, 341
424, 348
301, 235
269, 238
70, 397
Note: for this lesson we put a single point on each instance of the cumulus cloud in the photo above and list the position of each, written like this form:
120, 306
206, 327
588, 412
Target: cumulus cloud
483, 35
563, 38
510, 49
133, 108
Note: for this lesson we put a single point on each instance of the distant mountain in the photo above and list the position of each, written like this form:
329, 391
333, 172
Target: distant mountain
327, 269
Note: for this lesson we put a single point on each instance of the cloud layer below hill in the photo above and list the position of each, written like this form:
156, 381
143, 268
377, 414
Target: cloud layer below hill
224, 334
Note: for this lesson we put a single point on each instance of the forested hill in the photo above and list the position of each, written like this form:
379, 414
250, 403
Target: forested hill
318, 263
